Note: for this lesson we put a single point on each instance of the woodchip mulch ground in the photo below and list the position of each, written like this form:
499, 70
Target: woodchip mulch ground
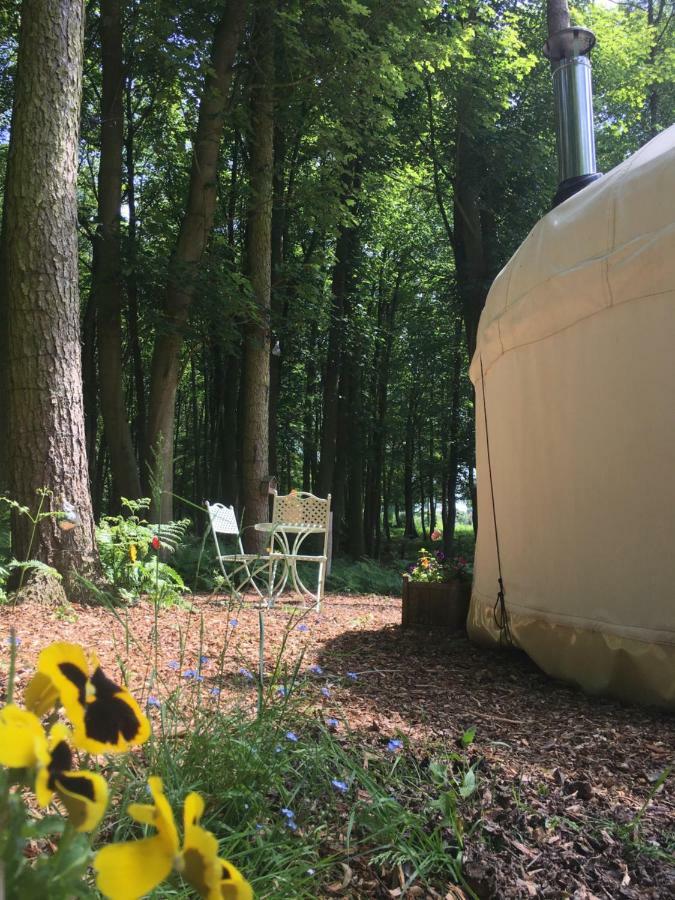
563, 775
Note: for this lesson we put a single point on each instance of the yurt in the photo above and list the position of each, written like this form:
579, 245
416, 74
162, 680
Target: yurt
575, 429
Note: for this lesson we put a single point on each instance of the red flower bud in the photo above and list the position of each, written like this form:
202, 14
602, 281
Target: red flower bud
155, 543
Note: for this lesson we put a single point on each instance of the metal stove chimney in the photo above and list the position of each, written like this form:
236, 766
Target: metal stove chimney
569, 49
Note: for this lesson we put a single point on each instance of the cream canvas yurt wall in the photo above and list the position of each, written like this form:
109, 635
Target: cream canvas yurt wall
577, 342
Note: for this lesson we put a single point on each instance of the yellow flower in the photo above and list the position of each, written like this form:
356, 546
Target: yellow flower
20, 731
133, 552
105, 717
24, 744
84, 794
129, 870
425, 562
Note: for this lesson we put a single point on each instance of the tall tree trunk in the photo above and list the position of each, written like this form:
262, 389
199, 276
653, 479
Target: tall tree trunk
408, 461
341, 285
372, 519
557, 16
132, 286
255, 437
190, 247
107, 280
453, 450
90, 389
356, 543
40, 283
308, 429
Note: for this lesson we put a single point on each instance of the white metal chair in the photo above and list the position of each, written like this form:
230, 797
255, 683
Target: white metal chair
252, 566
296, 517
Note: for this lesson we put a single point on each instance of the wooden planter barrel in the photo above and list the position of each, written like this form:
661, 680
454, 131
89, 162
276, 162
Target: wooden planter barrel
446, 605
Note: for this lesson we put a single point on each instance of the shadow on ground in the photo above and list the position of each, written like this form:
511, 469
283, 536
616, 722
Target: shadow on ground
564, 777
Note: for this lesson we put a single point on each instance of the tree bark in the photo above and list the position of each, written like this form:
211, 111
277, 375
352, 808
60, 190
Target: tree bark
107, 279
341, 285
255, 436
408, 460
132, 285
450, 489
40, 283
557, 16
190, 247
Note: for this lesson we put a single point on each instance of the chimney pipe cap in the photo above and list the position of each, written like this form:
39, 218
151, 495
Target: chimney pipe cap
568, 43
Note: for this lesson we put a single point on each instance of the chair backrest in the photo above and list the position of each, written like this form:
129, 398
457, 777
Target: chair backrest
301, 508
223, 519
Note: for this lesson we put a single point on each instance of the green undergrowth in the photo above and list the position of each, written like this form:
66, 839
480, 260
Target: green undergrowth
295, 803
364, 576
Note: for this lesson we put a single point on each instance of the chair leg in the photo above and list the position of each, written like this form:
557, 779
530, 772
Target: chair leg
319, 589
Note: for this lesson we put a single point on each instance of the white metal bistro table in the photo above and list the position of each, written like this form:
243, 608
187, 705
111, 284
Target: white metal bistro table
288, 539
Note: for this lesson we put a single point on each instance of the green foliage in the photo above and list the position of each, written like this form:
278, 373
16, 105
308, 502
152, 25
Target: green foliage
363, 576
274, 805
23, 567
131, 550
60, 873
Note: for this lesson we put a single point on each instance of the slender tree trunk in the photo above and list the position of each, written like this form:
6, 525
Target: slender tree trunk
107, 280
255, 437
453, 454
374, 499
341, 284
410, 530
355, 534
190, 247
40, 282
132, 289
308, 432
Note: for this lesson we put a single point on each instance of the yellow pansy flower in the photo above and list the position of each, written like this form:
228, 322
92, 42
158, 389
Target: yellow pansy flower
130, 870
105, 717
20, 731
84, 794
24, 744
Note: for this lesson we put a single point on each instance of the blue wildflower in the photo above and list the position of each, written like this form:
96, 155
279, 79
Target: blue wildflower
13, 640
234, 623
289, 815
190, 673
292, 736
215, 692
331, 722
339, 785
394, 745
353, 676
203, 660
303, 627
325, 691
174, 665
245, 674
153, 701
316, 669
282, 692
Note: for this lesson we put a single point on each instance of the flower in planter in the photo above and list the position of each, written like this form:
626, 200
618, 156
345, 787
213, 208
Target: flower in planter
436, 568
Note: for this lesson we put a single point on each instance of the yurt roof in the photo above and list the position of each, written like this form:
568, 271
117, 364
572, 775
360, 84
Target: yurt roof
602, 247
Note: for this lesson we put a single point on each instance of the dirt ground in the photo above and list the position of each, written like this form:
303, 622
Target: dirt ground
570, 801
